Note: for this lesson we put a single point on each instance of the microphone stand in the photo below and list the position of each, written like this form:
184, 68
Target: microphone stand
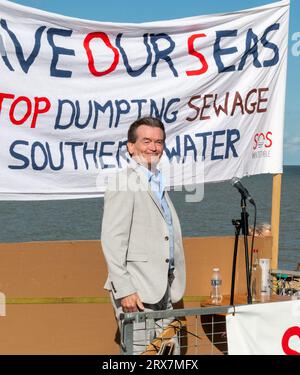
241, 224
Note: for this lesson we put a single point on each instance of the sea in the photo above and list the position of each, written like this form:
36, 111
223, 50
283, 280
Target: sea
210, 216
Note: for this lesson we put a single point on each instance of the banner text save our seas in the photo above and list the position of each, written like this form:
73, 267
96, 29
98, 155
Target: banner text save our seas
221, 143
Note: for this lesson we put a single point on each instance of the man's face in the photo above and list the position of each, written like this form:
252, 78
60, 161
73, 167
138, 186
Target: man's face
149, 146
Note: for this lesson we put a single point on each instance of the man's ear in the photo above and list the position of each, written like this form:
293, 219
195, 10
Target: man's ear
130, 148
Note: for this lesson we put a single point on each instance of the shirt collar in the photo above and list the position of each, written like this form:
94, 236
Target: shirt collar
149, 173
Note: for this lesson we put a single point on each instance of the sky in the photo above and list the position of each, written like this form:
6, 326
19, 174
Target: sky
153, 10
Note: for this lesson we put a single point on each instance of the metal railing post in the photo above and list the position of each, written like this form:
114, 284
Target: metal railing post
126, 335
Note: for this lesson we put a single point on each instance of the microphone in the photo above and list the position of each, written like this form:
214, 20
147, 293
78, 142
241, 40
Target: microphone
236, 182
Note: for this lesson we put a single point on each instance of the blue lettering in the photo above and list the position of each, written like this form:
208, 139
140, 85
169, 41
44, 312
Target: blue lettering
250, 50
270, 45
154, 112
18, 156
35, 166
233, 135
54, 72
51, 163
140, 103
102, 108
164, 54
89, 116
189, 145
103, 153
73, 151
218, 51
167, 119
216, 145
121, 111
175, 151
130, 71
92, 151
204, 145
24, 63
61, 103
122, 149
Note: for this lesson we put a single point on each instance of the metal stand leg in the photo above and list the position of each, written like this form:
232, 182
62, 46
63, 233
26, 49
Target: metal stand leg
241, 224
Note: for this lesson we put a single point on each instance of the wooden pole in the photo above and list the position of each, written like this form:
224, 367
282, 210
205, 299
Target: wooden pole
275, 221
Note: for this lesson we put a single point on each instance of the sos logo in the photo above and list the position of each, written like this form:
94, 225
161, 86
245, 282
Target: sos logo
262, 141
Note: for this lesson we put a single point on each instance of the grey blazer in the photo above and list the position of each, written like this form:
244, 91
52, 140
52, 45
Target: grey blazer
135, 240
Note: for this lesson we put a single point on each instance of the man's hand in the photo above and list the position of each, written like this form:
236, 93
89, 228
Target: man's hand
132, 303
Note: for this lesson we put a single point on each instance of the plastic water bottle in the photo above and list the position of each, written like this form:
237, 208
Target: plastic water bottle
255, 277
216, 283
265, 278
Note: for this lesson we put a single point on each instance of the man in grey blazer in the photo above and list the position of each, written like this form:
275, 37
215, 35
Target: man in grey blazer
141, 235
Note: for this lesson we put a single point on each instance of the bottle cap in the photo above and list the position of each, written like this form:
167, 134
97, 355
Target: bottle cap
216, 269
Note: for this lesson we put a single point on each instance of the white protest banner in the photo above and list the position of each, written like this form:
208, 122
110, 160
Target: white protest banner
70, 88
266, 328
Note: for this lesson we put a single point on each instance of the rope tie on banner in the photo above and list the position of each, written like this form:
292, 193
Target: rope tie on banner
233, 314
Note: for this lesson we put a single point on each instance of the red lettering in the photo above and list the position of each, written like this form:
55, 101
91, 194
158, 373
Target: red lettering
237, 102
91, 65
255, 141
191, 105
269, 139
37, 109
247, 109
205, 106
292, 331
5, 96
41, 105
199, 55
261, 91
13, 107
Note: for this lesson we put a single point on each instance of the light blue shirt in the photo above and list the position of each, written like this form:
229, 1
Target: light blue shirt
158, 188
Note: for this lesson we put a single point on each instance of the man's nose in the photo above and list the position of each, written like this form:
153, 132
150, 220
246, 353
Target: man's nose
153, 146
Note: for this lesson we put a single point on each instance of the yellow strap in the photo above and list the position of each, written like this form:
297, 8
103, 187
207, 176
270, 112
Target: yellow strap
53, 300
76, 300
195, 298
